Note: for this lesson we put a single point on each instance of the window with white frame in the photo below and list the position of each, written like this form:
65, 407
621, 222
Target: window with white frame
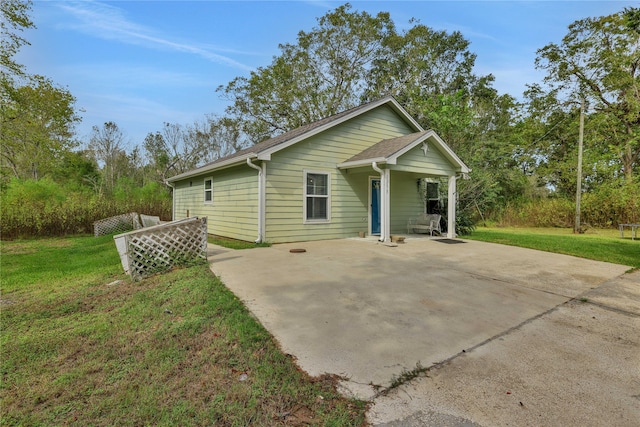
317, 205
208, 190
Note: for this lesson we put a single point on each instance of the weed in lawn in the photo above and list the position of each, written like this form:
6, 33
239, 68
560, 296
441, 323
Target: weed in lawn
406, 376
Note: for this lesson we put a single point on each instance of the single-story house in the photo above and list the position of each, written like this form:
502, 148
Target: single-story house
361, 170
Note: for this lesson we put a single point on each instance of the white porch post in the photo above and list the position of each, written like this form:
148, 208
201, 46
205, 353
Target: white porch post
451, 208
386, 205
385, 223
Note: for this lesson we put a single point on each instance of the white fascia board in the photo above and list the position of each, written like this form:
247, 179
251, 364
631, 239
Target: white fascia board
361, 163
266, 154
434, 137
400, 110
214, 167
449, 152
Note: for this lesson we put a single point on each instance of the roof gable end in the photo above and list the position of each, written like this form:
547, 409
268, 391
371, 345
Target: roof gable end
263, 150
389, 150
328, 123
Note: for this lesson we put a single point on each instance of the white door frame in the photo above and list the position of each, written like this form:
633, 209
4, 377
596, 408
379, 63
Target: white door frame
370, 209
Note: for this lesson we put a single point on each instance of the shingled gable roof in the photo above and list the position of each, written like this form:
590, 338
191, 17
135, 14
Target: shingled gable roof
263, 150
388, 151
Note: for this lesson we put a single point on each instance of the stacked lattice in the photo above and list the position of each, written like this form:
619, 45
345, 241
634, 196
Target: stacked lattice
159, 248
116, 224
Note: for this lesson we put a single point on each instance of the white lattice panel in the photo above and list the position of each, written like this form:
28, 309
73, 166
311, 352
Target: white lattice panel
158, 248
116, 224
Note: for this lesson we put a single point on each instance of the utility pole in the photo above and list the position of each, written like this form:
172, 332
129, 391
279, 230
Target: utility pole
576, 226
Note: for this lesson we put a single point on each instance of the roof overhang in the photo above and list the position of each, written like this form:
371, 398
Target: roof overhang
363, 162
392, 158
235, 161
265, 154
389, 100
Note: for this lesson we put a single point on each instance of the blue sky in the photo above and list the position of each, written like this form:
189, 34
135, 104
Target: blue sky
143, 63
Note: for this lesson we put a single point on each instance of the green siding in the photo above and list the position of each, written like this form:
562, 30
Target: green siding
406, 200
349, 191
234, 211
415, 160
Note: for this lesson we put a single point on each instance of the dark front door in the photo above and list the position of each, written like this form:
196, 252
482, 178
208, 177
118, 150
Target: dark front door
375, 206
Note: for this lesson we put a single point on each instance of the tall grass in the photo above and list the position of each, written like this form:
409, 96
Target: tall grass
605, 208
45, 208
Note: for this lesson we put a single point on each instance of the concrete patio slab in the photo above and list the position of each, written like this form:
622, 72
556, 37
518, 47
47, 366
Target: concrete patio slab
369, 312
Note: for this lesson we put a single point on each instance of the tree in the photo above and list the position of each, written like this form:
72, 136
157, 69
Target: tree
324, 73
178, 148
36, 127
77, 169
352, 57
599, 60
107, 145
14, 19
551, 127
217, 136
158, 161
37, 118
421, 66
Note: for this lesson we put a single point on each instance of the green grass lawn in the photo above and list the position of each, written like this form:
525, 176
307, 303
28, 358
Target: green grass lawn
600, 245
235, 244
82, 345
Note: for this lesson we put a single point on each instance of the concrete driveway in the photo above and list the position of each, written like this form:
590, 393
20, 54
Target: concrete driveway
496, 335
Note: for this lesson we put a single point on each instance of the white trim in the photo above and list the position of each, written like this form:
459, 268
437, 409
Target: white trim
326, 220
262, 180
451, 208
204, 193
266, 154
262, 203
393, 159
234, 161
448, 152
361, 163
385, 179
173, 199
386, 215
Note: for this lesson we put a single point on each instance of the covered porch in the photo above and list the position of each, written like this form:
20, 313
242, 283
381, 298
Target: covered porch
397, 171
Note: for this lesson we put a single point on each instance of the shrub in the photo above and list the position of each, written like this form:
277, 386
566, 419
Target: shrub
31, 208
606, 207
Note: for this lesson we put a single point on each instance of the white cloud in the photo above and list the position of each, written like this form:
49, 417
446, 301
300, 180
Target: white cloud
121, 75
108, 22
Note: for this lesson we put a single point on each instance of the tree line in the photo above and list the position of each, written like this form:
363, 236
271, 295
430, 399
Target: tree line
523, 153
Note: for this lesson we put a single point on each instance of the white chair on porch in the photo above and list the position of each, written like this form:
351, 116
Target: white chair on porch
424, 223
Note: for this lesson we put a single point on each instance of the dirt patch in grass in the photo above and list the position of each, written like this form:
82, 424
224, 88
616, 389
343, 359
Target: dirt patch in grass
16, 248
29, 247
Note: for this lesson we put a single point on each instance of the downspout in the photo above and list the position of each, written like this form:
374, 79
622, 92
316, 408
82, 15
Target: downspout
261, 200
173, 199
383, 201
